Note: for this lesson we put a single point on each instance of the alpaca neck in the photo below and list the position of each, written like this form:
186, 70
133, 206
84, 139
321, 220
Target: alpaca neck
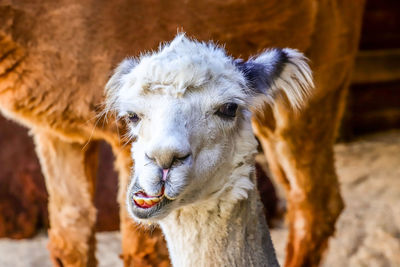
220, 233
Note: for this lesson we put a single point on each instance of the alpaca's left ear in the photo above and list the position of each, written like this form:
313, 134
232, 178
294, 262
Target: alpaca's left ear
278, 71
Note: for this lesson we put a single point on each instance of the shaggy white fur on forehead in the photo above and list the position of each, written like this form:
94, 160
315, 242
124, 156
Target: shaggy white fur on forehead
180, 65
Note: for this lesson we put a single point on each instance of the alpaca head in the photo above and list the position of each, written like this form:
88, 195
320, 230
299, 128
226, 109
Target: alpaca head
188, 107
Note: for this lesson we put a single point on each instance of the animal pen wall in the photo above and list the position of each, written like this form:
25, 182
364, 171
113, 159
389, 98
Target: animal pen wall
373, 105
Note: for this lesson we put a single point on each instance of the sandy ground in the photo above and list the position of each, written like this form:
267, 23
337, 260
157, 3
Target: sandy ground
33, 252
368, 230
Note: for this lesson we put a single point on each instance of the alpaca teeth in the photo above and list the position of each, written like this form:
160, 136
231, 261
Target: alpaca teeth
143, 201
148, 201
139, 201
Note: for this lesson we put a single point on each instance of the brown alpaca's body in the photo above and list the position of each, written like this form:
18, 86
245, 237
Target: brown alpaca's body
56, 58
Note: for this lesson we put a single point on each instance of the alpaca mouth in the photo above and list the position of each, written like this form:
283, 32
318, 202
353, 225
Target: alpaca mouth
146, 206
145, 201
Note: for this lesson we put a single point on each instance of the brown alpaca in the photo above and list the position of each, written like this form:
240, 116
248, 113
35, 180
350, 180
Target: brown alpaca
55, 59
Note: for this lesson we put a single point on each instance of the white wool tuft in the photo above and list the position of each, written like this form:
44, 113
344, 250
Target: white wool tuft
180, 65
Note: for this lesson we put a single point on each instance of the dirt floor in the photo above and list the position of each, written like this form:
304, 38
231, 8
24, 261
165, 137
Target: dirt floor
368, 230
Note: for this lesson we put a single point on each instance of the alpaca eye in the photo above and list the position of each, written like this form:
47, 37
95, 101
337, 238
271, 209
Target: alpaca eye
133, 117
227, 110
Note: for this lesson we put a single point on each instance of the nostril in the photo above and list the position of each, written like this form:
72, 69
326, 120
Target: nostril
183, 158
149, 158
167, 160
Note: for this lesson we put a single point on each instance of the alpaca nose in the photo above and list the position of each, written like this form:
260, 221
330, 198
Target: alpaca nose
167, 157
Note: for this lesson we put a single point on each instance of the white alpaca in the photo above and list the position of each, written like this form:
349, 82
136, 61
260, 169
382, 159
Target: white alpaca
188, 108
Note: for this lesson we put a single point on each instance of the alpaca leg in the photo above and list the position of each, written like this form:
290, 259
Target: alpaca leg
301, 157
314, 204
69, 170
140, 247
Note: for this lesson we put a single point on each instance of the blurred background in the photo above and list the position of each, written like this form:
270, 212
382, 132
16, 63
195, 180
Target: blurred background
369, 142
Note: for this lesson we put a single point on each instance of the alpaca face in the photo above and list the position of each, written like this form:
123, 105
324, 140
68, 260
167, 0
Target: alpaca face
188, 109
185, 145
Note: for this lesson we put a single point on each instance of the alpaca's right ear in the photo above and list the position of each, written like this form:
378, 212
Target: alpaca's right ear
278, 71
116, 82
